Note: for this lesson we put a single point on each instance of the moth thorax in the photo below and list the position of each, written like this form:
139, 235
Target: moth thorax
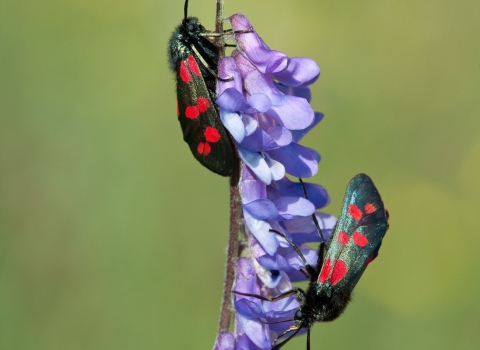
324, 291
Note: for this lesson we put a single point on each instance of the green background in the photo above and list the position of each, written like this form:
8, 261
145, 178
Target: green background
113, 237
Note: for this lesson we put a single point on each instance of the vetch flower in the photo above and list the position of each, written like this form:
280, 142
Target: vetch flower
264, 102
225, 341
273, 264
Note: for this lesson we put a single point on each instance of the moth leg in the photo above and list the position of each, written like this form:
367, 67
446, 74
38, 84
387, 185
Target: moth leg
211, 71
277, 298
243, 31
225, 33
291, 329
308, 338
276, 322
305, 273
215, 75
225, 80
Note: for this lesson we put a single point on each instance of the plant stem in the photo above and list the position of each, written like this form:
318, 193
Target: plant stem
220, 41
232, 256
235, 207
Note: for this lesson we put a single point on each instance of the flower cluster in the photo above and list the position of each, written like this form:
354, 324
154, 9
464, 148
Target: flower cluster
264, 103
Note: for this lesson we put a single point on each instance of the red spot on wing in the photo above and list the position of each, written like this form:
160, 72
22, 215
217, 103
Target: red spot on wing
202, 104
360, 239
192, 112
369, 208
325, 271
204, 148
339, 271
178, 110
184, 73
211, 134
355, 212
192, 64
342, 238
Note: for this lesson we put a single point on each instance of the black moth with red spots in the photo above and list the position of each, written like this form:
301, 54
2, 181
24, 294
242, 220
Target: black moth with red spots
194, 60
354, 243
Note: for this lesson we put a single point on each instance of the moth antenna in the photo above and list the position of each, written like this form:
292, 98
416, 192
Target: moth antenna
309, 271
291, 319
294, 246
314, 217
261, 297
185, 9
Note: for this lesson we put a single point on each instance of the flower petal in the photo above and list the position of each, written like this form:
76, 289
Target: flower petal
299, 91
275, 262
299, 161
280, 135
252, 188
299, 71
262, 209
234, 124
300, 238
245, 277
257, 331
277, 168
269, 277
229, 75
225, 341
232, 100
251, 124
249, 308
307, 226
258, 141
284, 187
265, 60
299, 134
243, 341
294, 206
261, 231
294, 260
285, 107
260, 103
295, 113
257, 164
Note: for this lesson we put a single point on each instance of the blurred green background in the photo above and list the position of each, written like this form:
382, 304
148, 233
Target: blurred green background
113, 237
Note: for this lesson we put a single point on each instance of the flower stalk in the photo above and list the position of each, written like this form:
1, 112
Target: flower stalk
232, 255
235, 205
220, 40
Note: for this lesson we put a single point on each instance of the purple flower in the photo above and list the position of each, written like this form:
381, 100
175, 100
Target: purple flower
273, 264
225, 341
264, 103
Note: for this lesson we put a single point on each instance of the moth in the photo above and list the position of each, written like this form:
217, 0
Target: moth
354, 243
193, 58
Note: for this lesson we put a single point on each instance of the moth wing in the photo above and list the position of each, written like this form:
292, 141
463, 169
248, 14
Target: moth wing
200, 121
358, 234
